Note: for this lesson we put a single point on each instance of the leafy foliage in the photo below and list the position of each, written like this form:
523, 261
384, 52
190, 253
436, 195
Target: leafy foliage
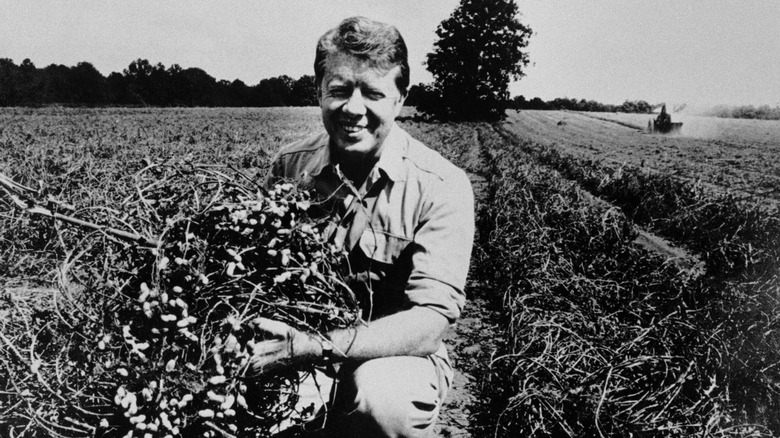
144, 84
764, 112
479, 51
639, 106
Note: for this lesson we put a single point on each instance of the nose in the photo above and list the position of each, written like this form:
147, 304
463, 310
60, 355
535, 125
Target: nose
355, 104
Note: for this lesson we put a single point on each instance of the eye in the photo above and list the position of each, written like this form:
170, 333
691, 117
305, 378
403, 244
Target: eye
340, 91
373, 94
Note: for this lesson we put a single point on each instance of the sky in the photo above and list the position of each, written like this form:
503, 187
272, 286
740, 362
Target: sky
698, 52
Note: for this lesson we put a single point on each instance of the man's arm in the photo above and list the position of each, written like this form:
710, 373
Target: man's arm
414, 332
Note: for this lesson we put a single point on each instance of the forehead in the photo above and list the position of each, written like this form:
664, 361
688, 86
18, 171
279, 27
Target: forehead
342, 66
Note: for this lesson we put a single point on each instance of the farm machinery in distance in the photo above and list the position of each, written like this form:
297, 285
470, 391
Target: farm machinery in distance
663, 123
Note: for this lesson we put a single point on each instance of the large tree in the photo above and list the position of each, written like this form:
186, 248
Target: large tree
478, 53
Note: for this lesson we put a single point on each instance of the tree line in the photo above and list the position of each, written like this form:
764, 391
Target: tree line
763, 112
638, 106
144, 84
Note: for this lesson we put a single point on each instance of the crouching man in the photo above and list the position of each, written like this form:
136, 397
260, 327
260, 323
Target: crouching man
405, 216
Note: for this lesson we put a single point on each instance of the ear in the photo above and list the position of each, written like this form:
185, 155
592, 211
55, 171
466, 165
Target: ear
402, 99
399, 104
319, 94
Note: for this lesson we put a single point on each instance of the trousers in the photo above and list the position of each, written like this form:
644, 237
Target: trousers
399, 396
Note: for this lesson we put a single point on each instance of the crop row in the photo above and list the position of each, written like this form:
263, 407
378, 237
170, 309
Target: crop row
735, 237
739, 241
604, 338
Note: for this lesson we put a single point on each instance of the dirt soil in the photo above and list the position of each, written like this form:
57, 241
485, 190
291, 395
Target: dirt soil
471, 343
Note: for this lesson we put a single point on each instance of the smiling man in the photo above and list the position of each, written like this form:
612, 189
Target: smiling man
405, 216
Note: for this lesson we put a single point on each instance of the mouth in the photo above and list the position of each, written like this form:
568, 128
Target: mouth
351, 128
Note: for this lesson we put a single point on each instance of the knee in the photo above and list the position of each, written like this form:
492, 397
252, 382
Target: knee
393, 400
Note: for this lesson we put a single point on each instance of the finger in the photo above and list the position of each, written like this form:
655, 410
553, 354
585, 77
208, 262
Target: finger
258, 367
260, 364
274, 328
267, 348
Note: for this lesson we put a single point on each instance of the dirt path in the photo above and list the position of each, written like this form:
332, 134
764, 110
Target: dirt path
471, 343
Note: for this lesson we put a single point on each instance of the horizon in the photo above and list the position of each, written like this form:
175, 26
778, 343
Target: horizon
718, 53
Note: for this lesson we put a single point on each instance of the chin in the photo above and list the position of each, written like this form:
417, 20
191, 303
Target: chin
364, 146
360, 149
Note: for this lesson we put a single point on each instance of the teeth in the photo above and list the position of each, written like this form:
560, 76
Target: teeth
352, 128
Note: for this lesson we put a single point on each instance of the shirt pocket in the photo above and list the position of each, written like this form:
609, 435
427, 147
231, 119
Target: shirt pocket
383, 247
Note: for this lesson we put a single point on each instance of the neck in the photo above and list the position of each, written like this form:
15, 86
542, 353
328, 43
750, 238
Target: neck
356, 168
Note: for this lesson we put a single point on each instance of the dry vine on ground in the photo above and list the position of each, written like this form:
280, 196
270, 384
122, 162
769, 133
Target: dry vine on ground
151, 330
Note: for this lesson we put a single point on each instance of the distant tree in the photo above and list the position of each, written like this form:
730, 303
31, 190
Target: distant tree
478, 53
419, 94
138, 75
118, 89
88, 85
30, 84
537, 103
179, 93
58, 85
200, 87
304, 92
519, 102
239, 93
9, 82
639, 106
148, 84
275, 91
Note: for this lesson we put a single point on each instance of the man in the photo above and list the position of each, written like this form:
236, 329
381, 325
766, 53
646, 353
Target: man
405, 216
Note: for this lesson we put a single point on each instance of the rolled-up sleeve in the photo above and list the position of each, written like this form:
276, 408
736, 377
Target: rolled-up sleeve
442, 246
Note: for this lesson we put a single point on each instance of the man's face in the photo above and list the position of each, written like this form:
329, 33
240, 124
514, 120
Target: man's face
359, 105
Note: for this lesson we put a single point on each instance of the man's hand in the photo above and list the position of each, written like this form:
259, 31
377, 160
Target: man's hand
284, 347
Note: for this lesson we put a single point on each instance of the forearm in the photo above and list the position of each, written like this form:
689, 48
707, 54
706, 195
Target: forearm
414, 332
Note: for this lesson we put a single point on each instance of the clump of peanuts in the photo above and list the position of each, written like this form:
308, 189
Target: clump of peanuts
179, 343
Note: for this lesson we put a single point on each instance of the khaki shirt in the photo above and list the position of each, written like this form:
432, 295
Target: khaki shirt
408, 229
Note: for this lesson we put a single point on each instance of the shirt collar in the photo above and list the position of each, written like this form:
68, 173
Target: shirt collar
322, 159
391, 162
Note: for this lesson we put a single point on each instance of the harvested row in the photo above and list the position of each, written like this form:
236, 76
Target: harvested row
736, 155
735, 237
603, 337
88, 157
739, 243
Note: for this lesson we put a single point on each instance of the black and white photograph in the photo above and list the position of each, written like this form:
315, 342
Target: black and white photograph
400, 218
